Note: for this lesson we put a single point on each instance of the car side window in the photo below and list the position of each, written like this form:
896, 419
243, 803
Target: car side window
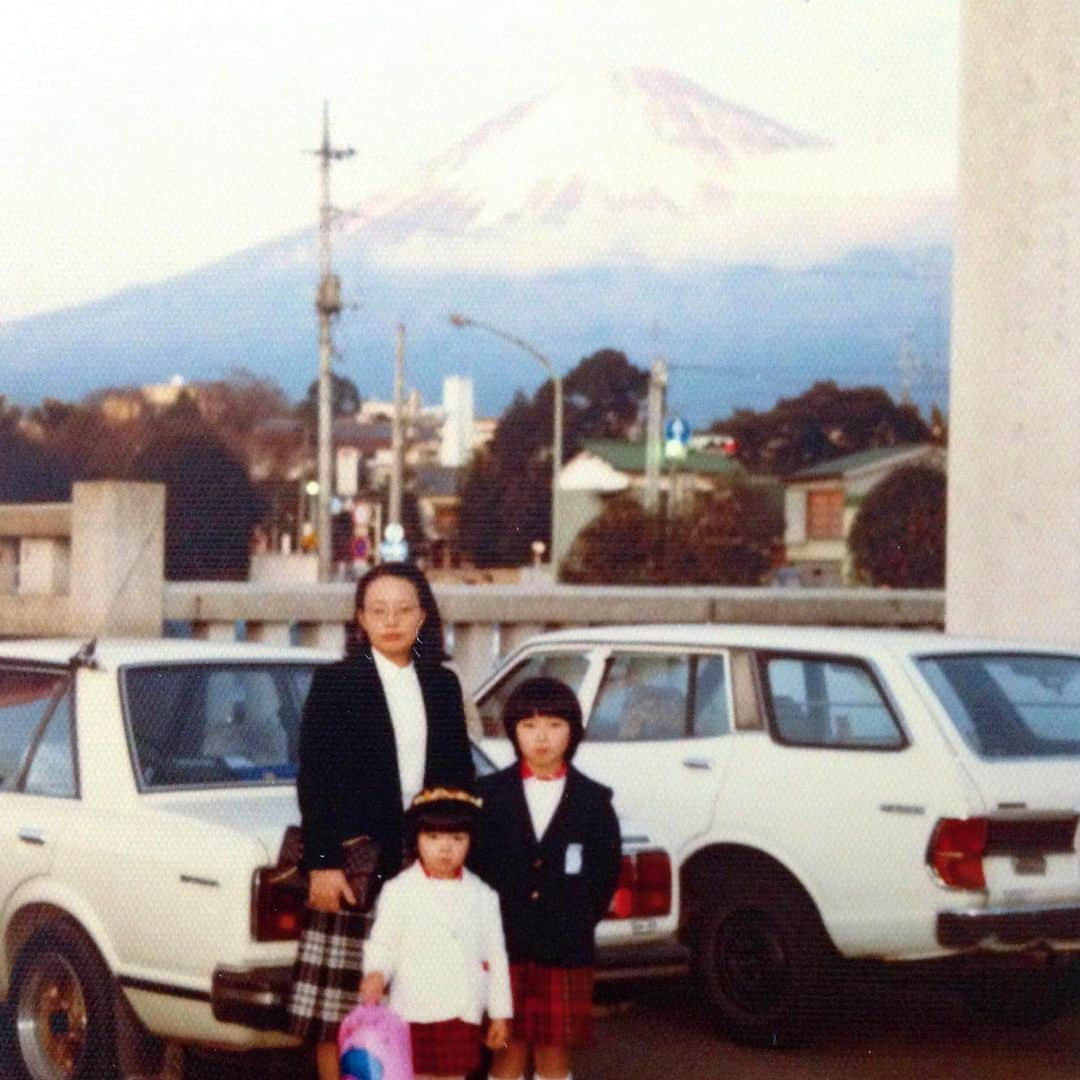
711, 714
570, 667
243, 718
643, 698
830, 702
35, 733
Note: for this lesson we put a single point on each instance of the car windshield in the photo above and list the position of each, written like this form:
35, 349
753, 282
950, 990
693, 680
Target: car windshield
1010, 705
207, 724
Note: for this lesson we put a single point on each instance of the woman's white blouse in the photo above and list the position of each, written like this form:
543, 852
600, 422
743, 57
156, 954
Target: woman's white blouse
406, 703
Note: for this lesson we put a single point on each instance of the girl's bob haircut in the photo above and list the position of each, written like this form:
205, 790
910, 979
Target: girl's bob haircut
543, 696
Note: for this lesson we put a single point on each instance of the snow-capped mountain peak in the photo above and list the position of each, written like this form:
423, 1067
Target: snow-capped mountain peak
631, 164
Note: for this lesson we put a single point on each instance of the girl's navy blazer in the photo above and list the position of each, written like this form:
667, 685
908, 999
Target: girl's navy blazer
349, 784
553, 890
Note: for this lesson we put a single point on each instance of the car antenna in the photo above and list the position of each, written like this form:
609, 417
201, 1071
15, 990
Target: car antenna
85, 656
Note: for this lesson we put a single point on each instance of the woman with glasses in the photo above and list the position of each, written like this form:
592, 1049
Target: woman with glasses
380, 726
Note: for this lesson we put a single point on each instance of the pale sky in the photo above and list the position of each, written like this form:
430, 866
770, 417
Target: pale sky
142, 139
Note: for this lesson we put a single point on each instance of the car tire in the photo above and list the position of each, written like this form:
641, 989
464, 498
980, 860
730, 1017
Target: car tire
1022, 998
61, 1008
762, 957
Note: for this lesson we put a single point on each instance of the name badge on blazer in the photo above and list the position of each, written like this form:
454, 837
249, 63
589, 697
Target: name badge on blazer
573, 859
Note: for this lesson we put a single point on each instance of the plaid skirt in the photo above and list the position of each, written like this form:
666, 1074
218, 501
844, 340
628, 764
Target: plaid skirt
552, 1006
326, 975
447, 1048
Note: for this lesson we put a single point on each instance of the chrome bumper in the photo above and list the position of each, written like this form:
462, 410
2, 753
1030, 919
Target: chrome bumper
254, 997
989, 927
645, 960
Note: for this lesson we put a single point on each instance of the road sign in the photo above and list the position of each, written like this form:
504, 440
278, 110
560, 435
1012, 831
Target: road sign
676, 437
393, 551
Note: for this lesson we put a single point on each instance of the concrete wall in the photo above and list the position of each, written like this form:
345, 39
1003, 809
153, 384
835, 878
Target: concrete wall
1014, 454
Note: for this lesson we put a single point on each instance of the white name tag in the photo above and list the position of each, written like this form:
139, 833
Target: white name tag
573, 859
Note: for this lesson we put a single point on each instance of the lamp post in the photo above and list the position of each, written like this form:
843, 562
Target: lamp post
459, 320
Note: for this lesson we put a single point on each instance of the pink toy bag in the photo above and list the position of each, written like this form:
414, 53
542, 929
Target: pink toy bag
374, 1044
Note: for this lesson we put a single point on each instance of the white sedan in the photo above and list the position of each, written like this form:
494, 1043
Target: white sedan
144, 790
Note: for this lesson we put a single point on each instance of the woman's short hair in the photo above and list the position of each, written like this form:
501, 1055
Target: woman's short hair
430, 645
543, 696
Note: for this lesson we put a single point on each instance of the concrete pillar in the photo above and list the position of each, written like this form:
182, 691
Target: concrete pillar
43, 566
1014, 454
117, 558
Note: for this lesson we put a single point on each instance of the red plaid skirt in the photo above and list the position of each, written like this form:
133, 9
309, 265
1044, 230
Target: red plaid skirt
447, 1048
552, 1006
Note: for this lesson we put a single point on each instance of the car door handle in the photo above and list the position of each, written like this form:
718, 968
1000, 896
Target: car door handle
32, 836
698, 762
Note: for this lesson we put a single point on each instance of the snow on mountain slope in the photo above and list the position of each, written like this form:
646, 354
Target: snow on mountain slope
642, 165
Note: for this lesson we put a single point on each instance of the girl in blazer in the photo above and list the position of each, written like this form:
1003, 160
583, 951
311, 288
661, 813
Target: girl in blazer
377, 727
548, 842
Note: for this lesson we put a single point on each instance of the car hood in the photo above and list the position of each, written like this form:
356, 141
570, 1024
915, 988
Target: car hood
260, 816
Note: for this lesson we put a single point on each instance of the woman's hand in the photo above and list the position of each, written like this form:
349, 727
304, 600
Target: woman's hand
372, 987
327, 889
498, 1035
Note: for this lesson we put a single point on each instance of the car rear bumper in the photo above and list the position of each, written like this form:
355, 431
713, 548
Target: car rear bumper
990, 927
254, 997
641, 960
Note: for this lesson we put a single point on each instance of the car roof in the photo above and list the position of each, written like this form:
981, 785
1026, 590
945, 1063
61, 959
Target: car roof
813, 638
112, 653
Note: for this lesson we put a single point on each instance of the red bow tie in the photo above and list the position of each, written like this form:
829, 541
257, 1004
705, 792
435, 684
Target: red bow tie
528, 774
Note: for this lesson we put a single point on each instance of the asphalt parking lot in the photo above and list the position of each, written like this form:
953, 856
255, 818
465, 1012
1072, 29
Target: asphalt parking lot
888, 1023
891, 1024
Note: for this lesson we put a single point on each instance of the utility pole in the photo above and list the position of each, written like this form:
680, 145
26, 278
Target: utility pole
654, 433
397, 443
328, 306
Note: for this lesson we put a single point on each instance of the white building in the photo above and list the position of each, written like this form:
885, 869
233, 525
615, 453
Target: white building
455, 449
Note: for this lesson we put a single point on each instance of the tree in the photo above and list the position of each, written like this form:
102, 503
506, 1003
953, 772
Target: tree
724, 537
210, 505
506, 497
604, 395
29, 470
898, 537
345, 400
824, 423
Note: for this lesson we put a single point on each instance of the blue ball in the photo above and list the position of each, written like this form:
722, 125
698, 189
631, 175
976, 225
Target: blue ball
360, 1064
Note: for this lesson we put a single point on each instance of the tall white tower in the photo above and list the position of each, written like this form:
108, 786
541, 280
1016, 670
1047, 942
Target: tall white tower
456, 445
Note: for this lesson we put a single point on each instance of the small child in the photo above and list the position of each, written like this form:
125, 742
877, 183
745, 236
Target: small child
438, 942
548, 842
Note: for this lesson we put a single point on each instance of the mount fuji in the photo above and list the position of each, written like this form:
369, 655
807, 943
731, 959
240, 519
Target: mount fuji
632, 210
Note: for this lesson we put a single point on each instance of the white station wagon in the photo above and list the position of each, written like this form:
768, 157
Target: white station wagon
835, 793
144, 790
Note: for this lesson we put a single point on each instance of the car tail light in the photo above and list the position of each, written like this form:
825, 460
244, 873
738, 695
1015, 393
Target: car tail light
956, 852
276, 907
644, 887
652, 894
622, 903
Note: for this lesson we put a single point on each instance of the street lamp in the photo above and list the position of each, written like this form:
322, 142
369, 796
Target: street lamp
459, 320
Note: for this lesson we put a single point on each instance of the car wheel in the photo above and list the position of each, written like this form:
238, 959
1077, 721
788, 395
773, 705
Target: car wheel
762, 954
61, 1008
1022, 998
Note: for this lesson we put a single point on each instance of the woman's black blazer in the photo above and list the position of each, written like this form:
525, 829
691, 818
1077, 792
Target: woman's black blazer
348, 783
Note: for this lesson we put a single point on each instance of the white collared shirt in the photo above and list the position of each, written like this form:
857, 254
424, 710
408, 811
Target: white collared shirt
543, 798
406, 703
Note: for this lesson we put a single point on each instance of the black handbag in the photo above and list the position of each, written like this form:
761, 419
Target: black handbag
360, 861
